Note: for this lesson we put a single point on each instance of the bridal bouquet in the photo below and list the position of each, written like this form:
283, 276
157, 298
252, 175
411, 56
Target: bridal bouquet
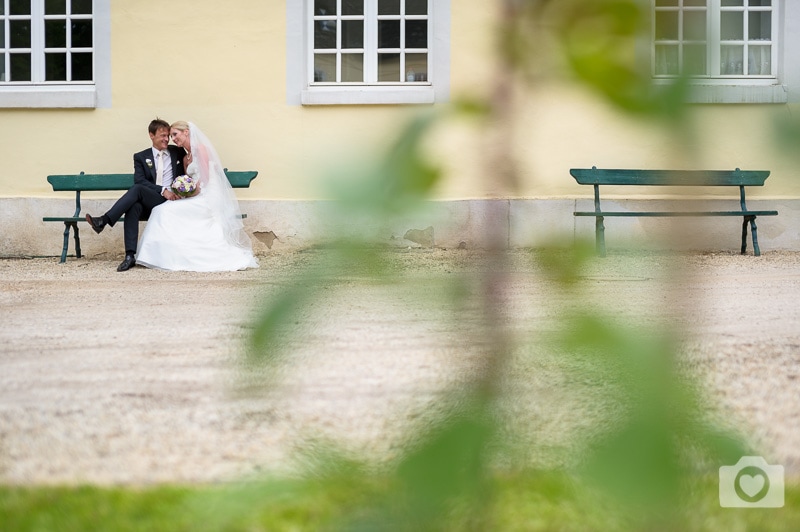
184, 185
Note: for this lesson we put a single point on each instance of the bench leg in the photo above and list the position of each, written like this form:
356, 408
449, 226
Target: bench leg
752, 221
77, 241
600, 236
754, 231
64, 249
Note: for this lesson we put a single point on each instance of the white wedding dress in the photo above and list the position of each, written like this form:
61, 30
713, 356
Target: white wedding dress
189, 235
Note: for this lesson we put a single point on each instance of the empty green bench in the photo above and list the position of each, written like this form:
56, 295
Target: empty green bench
704, 178
78, 183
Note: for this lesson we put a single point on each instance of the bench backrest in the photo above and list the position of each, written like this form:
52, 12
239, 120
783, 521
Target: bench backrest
84, 182
706, 178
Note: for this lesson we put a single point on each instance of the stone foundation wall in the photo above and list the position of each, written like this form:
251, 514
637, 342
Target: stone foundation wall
289, 225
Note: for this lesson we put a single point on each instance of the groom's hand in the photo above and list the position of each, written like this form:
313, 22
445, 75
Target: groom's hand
169, 195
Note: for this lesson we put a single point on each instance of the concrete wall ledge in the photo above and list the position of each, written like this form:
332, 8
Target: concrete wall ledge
284, 225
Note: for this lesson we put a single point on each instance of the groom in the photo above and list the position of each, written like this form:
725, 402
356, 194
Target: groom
153, 172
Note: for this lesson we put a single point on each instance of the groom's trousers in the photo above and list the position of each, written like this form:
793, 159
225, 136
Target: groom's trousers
136, 204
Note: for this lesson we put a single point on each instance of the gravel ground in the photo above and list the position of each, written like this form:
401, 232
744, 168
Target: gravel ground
136, 377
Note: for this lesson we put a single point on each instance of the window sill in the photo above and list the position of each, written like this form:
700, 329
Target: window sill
368, 95
48, 96
738, 94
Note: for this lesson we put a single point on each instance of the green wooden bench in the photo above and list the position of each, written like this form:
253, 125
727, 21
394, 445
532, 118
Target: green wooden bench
705, 178
78, 183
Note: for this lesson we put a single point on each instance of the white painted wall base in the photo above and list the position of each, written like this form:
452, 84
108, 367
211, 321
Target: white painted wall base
515, 223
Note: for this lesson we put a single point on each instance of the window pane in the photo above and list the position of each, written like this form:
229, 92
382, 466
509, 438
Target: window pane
666, 3
55, 67
726, 3
2, 69
325, 34
82, 33
416, 33
694, 26
667, 25
352, 34
731, 61
389, 34
353, 67
389, 67
19, 7
694, 3
20, 67
325, 67
760, 26
55, 7
667, 61
758, 61
81, 7
82, 67
55, 34
416, 7
761, 3
732, 25
20, 31
694, 59
325, 7
417, 65
352, 7
2, 38
388, 7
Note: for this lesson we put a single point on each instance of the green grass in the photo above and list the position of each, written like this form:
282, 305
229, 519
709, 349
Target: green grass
530, 501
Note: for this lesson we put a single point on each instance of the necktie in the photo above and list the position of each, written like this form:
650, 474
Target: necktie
160, 168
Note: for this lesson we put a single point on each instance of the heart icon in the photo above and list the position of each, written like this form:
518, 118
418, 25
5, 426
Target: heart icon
751, 484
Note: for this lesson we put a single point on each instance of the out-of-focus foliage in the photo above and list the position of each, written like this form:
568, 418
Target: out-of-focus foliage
600, 42
644, 461
787, 132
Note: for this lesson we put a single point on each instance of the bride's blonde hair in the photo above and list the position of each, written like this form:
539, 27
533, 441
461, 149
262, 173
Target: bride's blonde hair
180, 124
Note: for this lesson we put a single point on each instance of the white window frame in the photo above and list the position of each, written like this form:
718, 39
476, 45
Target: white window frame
715, 87
38, 93
303, 90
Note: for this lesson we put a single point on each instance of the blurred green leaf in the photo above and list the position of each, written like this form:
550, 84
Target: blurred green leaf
397, 182
447, 469
565, 265
786, 131
275, 324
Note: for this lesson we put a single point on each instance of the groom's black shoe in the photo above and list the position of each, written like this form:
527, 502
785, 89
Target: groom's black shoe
98, 224
127, 264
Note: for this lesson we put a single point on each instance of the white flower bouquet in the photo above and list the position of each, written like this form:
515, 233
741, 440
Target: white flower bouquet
184, 186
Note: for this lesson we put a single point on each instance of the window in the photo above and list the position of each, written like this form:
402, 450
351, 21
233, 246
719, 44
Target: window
373, 51
49, 52
718, 42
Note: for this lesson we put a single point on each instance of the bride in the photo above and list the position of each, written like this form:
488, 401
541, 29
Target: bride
202, 232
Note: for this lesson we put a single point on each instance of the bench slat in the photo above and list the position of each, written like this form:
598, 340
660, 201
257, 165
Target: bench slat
706, 178
92, 182
102, 182
674, 213
83, 218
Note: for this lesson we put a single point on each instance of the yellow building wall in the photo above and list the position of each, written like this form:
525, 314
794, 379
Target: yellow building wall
224, 68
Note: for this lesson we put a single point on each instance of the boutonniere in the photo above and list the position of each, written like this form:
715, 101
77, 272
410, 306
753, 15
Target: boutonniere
149, 163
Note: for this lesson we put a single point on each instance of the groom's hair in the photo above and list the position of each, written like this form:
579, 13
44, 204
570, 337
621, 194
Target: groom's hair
157, 124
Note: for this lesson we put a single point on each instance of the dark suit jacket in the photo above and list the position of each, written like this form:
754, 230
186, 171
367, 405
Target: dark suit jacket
145, 174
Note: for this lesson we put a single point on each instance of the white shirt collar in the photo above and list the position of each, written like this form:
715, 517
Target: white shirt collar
156, 152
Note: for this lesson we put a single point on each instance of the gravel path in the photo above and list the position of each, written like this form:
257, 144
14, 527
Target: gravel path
136, 377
